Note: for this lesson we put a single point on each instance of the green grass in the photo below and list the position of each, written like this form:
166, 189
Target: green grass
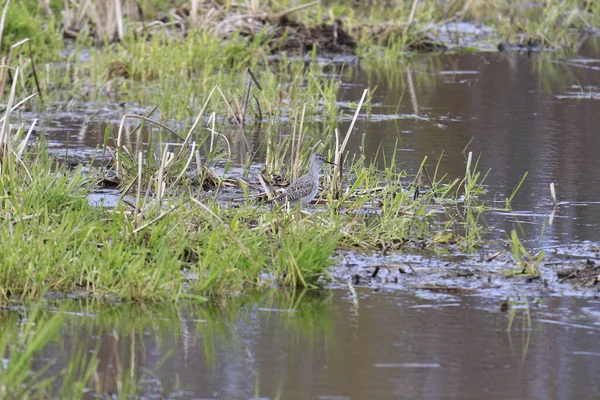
178, 247
25, 19
174, 70
54, 240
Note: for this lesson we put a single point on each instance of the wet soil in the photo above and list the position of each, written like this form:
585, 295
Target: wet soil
566, 273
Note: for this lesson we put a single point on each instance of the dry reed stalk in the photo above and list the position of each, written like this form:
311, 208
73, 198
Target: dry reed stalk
139, 189
239, 114
147, 196
296, 164
4, 69
293, 144
187, 164
553, 195
338, 172
411, 90
3, 19
468, 169
21, 63
212, 118
337, 142
198, 162
194, 13
119, 18
199, 116
5, 135
411, 16
23, 143
161, 174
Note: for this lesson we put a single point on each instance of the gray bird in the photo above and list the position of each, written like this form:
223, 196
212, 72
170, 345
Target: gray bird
304, 189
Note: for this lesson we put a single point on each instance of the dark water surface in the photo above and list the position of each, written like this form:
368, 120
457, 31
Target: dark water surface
519, 113
343, 345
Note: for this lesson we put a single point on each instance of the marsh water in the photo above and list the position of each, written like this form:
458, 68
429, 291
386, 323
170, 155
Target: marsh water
536, 113
339, 345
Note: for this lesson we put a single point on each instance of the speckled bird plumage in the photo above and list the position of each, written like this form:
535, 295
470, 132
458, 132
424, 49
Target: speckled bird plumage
305, 188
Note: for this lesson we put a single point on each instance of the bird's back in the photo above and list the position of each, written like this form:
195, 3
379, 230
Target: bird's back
303, 189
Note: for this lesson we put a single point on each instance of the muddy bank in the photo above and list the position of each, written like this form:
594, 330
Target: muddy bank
283, 27
572, 271
277, 30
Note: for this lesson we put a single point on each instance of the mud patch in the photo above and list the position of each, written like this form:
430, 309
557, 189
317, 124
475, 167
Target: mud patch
496, 274
332, 39
578, 265
585, 276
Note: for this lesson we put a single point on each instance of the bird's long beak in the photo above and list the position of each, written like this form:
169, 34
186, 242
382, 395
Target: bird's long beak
329, 162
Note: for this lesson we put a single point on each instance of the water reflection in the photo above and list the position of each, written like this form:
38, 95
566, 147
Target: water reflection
343, 344
216, 350
516, 110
